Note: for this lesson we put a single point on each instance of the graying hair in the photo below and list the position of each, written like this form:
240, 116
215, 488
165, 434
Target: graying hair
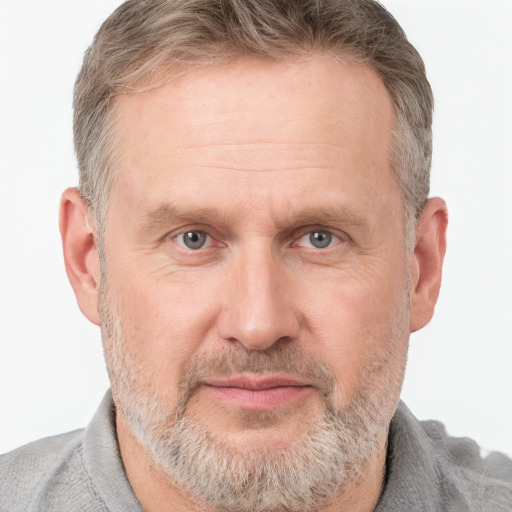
144, 42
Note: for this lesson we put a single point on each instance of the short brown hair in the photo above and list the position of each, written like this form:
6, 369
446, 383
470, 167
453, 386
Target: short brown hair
144, 41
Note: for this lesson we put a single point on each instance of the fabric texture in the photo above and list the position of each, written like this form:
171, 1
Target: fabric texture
83, 471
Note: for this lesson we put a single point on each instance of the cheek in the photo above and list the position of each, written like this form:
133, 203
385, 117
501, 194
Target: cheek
164, 320
359, 326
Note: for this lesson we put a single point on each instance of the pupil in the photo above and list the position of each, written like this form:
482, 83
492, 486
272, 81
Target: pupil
320, 239
194, 239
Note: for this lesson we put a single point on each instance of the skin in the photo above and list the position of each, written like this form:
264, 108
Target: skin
258, 155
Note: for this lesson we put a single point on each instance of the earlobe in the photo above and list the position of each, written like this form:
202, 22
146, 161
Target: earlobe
426, 263
80, 252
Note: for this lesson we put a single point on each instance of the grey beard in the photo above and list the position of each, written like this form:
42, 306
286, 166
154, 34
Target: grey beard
318, 466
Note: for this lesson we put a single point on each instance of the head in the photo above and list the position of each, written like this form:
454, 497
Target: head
253, 236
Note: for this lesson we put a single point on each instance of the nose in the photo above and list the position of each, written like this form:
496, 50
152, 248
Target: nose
258, 303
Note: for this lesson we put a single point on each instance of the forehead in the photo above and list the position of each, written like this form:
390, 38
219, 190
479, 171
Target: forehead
261, 99
256, 123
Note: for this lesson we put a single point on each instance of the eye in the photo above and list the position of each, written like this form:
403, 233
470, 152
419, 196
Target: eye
193, 240
317, 239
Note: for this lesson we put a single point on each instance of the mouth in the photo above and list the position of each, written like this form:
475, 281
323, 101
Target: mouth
258, 394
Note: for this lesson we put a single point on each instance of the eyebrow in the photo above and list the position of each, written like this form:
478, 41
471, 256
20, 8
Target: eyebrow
169, 212
334, 213
329, 214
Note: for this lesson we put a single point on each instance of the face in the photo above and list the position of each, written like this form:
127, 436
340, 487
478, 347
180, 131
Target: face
255, 298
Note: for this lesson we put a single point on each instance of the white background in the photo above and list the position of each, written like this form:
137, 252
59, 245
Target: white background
52, 373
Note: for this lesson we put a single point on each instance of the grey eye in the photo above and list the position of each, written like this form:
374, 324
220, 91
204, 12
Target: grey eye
193, 239
320, 239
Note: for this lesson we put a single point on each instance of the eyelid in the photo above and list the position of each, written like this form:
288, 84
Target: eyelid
214, 237
306, 230
181, 243
186, 229
208, 231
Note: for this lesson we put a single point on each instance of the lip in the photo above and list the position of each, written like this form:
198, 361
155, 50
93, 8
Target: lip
258, 394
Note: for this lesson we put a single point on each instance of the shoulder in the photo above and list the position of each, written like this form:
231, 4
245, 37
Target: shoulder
24, 470
469, 474
429, 470
41, 475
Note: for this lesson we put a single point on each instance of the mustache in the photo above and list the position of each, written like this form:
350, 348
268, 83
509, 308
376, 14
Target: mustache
282, 359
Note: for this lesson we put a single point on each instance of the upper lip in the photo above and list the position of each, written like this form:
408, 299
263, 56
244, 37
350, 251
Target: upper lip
256, 383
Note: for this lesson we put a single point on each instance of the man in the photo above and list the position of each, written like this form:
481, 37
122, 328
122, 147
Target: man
253, 235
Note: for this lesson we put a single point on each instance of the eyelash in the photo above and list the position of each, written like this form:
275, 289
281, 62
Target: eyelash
331, 236
212, 237
336, 237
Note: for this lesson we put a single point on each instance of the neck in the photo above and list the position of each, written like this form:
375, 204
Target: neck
155, 491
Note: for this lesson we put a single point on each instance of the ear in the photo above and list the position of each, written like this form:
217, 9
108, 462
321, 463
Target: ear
426, 262
80, 252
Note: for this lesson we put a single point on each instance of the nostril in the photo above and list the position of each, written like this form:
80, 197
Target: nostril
259, 335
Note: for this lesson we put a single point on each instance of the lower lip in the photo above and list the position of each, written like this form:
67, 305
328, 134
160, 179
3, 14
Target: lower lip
260, 399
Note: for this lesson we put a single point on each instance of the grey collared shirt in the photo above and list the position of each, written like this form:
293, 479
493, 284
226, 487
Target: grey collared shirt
83, 471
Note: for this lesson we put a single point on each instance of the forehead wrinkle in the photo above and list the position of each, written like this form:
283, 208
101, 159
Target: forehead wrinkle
260, 156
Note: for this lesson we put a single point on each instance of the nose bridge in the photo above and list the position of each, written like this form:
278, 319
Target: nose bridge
258, 309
